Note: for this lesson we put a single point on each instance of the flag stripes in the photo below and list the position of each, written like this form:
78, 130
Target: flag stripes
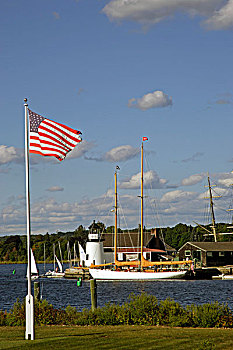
49, 138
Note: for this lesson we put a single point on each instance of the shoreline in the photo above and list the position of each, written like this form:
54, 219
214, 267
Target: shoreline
25, 262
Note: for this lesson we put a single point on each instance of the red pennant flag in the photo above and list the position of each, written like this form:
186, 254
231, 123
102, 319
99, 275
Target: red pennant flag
144, 138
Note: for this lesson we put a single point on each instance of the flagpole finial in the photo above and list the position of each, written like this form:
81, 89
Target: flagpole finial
25, 100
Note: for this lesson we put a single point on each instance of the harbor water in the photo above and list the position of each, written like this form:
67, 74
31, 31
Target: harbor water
61, 292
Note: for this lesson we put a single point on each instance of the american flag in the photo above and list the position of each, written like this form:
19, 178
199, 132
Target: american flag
49, 138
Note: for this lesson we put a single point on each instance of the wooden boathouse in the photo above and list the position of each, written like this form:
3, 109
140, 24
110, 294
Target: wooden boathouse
155, 249
208, 253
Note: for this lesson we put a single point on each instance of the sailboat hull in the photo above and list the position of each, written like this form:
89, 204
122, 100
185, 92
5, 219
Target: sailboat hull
112, 275
54, 274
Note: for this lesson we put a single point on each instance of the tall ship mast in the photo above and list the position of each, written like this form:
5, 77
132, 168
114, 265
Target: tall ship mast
116, 208
213, 226
142, 224
212, 211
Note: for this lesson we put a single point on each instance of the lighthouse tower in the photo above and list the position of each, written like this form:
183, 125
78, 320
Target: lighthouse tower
94, 246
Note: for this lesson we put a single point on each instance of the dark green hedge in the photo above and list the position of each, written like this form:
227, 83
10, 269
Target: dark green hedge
139, 310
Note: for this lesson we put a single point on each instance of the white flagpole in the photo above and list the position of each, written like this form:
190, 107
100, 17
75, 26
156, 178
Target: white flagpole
30, 332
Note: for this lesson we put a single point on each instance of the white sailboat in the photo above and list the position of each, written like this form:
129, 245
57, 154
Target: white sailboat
140, 269
34, 270
127, 275
82, 254
58, 271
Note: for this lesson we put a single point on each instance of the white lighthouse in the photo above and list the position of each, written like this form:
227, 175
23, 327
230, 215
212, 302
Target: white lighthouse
94, 246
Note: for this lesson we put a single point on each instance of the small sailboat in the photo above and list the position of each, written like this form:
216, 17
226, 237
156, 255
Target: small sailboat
140, 269
34, 270
82, 254
58, 270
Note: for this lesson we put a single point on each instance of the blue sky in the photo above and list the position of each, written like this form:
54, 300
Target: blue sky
117, 71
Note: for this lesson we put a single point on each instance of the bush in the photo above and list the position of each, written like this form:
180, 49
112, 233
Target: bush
139, 310
172, 314
46, 314
71, 315
107, 315
3, 316
208, 315
16, 316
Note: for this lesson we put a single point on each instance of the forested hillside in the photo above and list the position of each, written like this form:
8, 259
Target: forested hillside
13, 248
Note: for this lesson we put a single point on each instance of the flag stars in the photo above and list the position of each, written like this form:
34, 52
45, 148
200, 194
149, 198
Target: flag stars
35, 120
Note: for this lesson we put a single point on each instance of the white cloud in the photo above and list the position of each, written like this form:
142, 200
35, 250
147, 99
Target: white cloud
222, 99
10, 154
221, 192
221, 19
222, 180
117, 154
151, 180
80, 150
154, 99
226, 182
217, 192
218, 13
177, 195
49, 215
55, 189
121, 153
193, 158
192, 179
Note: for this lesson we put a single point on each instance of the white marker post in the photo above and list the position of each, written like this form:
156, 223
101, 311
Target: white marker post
30, 330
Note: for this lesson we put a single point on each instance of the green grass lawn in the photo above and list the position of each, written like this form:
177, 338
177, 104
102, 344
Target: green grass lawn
117, 337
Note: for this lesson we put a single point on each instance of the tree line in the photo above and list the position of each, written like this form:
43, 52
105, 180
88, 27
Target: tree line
14, 248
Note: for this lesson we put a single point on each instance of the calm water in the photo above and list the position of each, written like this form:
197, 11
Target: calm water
63, 292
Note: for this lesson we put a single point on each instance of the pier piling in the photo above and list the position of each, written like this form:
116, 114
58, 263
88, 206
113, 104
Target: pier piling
37, 291
93, 288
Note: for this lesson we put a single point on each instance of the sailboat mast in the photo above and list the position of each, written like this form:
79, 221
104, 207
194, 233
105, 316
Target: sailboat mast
59, 244
44, 257
141, 204
74, 254
54, 256
212, 211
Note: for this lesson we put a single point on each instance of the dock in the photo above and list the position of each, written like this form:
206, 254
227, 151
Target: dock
76, 272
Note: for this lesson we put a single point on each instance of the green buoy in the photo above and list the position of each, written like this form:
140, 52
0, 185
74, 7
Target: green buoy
79, 282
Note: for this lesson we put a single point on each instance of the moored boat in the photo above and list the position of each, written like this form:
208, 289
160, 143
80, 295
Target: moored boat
132, 275
58, 271
140, 269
